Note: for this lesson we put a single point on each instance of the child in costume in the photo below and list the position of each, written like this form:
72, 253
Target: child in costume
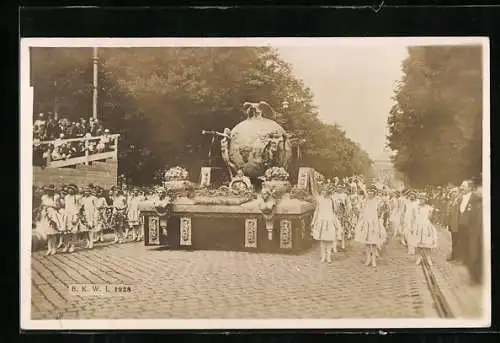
326, 227
426, 237
370, 230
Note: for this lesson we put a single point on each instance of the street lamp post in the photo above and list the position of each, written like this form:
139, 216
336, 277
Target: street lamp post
95, 61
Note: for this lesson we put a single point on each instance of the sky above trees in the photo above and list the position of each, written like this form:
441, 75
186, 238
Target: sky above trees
352, 86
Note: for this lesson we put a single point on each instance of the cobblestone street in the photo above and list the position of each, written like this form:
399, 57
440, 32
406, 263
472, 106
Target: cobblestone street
218, 284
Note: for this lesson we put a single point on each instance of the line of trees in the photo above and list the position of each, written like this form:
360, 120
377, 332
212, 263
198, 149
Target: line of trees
160, 99
436, 122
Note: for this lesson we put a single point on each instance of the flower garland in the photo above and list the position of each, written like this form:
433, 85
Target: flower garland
223, 196
276, 174
176, 174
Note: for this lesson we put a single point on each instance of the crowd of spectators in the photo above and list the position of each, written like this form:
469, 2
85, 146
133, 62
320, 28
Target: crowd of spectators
58, 131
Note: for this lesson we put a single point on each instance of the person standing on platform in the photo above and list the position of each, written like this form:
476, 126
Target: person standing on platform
326, 227
370, 230
474, 254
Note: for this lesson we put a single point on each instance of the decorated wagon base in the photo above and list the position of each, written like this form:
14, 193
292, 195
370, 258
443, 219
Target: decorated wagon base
229, 227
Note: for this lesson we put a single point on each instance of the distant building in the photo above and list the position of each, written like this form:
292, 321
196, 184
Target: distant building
385, 173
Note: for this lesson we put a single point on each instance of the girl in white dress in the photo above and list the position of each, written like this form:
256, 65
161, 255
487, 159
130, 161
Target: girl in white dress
426, 237
326, 227
51, 221
395, 219
355, 200
410, 215
102, 218
339, 209
119, 216
370, 230
89, 215
133, 214
142, 197
402, 209
72, 208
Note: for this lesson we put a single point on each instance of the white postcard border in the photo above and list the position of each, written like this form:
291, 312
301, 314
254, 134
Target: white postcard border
26, 181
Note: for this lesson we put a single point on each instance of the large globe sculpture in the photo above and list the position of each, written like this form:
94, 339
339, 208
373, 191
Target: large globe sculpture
258, 144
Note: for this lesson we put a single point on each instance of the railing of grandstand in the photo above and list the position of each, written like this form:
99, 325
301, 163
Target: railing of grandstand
88, 156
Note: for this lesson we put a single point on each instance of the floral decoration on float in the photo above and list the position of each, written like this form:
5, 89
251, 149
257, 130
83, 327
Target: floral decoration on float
223, 195
177, 180
276, 179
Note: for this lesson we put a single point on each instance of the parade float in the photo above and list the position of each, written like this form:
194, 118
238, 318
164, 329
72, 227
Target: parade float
257, 209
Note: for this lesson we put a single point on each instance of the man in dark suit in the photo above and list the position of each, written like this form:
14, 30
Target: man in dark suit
464, 219
452, 223
474, 254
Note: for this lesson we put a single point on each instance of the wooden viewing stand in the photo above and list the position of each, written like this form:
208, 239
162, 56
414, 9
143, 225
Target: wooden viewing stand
88, 157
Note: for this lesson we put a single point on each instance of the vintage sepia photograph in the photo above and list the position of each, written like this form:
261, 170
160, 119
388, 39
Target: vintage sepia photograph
255, 183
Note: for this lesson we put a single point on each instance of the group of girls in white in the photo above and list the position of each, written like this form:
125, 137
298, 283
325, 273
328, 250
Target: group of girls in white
68, 216
370, 216
411, 214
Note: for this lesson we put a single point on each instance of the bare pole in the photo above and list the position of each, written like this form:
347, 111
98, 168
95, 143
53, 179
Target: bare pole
95, 61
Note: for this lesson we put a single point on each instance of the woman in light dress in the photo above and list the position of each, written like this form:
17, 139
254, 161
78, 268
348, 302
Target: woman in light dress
426, 238
326, 227
370, 230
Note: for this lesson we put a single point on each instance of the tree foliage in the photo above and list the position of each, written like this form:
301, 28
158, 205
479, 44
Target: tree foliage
435, 126
160, 99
